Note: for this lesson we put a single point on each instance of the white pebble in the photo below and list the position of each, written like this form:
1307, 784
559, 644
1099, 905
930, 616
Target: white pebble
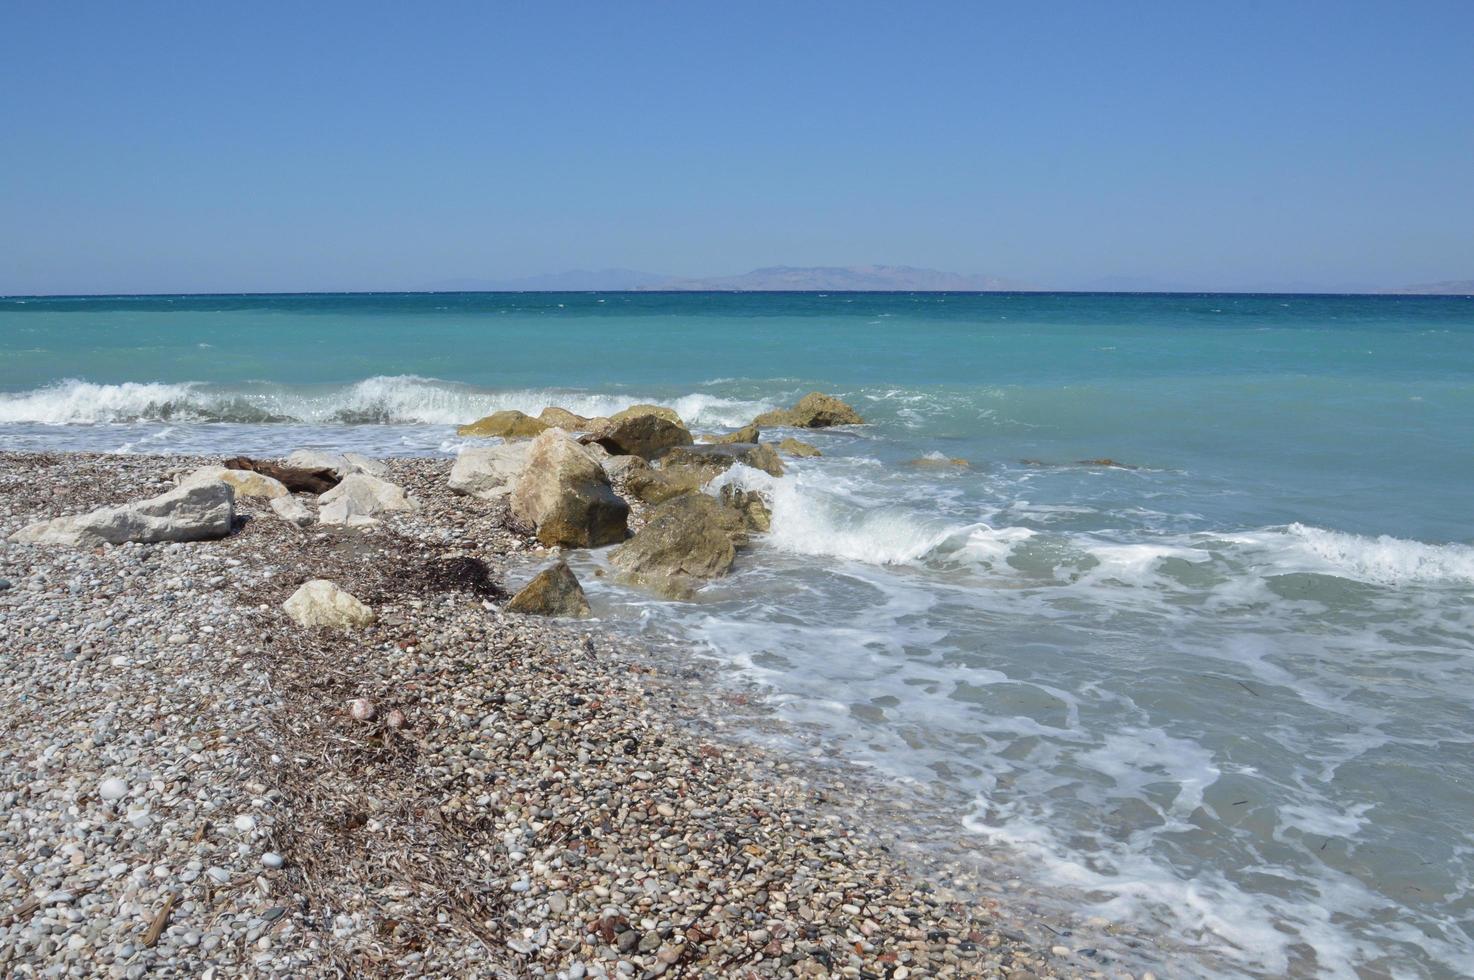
112, 789
272, 859
245, 823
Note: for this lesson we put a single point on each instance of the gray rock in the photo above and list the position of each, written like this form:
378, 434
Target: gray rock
687, 539
343, 464
194, 513
291, 509
360, 498
489, 472
321, 603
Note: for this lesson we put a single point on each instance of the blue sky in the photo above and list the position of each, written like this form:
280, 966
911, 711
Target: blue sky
265, 146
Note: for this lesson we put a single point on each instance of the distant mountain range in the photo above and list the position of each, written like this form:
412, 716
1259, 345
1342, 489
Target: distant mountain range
845, 278
1449, 287
877, 278
573, 281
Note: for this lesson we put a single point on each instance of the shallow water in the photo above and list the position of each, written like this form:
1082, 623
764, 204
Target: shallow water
1225, 691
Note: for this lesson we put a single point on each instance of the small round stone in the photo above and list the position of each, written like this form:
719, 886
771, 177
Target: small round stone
273, 860
112, 789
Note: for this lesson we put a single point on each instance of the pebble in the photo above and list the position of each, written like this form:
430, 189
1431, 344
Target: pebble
112, 789
272, 860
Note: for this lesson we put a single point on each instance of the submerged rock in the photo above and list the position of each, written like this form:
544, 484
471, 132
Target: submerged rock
489, 472
687, 539
794, 447
815, 410
360, 498
940, 462
508, 424
553, 592
321, 603
193, 513
567, 497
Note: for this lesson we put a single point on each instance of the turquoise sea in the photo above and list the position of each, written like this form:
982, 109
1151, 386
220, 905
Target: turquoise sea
1224, 690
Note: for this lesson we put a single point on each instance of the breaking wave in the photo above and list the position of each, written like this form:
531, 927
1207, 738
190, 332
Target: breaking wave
383, 400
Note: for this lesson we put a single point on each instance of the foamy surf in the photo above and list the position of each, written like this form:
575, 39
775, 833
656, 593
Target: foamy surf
382, 400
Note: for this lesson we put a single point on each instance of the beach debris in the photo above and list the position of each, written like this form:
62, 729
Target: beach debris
686, 540
291, 509
489, 472
194, 513
247, 483
815, 410
567, 497
645, 434
795, 447
321, 603
360, 498
552, 592
509, 424
296, 478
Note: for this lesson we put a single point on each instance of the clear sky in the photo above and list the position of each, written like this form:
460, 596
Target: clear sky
299, 146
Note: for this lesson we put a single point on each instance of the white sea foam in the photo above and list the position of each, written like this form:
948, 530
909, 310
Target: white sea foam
1381, 560
405, 399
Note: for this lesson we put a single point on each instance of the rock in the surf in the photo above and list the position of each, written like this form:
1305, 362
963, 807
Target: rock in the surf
322, 603
750, 504
795, 447
192, 513
718, 458
562, 418
567, 497
687, 539
509, 424
645, 435
552, 592
748, 433
938, 461
815, 410
660, 411
489, 472
361, 498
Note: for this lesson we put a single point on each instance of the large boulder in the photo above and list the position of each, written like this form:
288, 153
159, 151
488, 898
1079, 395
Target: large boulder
567, 497
688, 539
360, 499
719, 458
509, 424
794, 447
641, 435
562, 418
659, 411
748, 433
321, 603
553, 592
247, 483
489, 472
815, 410
193, 513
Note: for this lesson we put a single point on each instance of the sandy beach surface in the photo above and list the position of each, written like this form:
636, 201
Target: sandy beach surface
187, 790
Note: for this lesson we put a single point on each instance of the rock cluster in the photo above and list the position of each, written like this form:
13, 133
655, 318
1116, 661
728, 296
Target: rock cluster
815, 410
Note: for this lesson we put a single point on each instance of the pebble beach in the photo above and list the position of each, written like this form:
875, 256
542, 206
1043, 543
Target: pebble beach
192, 784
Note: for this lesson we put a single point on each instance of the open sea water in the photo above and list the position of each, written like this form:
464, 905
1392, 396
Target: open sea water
1225, 689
